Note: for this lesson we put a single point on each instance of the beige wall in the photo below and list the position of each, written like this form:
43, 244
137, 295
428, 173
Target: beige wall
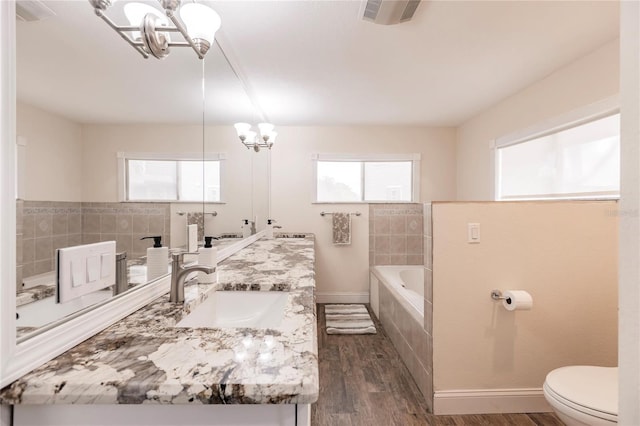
53, 163
344, 269
587, 80
563, 253
102, 142
339, 269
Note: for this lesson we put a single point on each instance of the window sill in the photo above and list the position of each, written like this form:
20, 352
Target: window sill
367, 202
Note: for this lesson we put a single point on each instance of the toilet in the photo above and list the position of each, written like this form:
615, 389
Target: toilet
583, 395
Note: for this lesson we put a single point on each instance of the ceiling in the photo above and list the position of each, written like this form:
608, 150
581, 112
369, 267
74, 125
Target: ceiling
310, 62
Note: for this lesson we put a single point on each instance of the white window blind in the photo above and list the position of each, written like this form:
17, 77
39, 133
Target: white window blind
581, 161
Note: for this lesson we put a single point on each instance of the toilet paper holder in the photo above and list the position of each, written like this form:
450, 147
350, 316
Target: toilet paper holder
497, 295
513, 300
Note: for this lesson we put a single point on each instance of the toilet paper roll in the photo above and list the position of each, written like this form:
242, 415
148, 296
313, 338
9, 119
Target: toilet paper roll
517, 300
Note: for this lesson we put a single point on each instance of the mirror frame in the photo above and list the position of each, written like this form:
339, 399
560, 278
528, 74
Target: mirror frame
7, 187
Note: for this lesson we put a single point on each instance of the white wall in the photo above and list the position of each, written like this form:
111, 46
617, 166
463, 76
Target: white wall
53, 155
584, 81
344, 269
565, 254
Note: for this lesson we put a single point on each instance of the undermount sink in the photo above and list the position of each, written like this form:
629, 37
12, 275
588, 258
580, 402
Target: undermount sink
233, 309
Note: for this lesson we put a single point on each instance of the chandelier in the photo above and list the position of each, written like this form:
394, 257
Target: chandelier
250, 138
149, 29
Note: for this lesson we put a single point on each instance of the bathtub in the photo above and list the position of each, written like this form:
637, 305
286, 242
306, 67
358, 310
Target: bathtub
405, 283
397, 299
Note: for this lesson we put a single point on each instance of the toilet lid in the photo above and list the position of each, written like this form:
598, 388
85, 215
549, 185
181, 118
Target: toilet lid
595, 388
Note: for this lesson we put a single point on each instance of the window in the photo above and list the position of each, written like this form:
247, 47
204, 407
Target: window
578, 161
344, 179
169, 177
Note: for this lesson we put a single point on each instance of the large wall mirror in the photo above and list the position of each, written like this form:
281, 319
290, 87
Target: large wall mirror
89, 107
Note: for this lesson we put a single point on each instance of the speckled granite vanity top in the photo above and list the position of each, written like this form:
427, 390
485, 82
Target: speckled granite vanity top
145, 359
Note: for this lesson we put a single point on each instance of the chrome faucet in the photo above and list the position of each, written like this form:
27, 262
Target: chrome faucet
178, 274
122, 281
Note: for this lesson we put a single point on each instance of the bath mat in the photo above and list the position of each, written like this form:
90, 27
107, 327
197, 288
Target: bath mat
348, 319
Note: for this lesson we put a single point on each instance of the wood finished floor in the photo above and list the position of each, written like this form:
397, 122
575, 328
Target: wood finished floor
363, 381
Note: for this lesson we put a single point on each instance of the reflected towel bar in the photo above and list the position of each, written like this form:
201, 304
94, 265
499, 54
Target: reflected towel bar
183, 213
326, 213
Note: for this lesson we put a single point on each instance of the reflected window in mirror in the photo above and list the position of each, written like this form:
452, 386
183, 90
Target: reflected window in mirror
167, 177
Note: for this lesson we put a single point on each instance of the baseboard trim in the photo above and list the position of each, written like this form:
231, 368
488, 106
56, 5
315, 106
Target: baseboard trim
487, 401
342, 297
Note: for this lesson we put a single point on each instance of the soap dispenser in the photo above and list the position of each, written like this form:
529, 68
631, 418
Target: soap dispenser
208, 257
157, 259
246, 228
269, 230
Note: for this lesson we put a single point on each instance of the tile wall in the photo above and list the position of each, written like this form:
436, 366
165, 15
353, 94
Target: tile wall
396, 234
412, 339
126, 223
19, 243
428, 303
44, 226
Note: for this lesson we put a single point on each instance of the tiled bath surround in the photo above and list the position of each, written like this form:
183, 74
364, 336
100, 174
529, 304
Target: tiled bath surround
44, 226
395, 234
427, 391
410, 340
413, 340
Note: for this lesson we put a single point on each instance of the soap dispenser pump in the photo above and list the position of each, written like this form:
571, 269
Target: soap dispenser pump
157, 258
208, 257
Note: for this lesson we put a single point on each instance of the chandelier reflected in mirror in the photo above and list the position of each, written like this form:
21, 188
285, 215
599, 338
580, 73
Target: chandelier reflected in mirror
250, 138
149, 28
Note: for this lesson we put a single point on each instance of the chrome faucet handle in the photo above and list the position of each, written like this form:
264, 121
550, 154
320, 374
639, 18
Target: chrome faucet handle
179, 257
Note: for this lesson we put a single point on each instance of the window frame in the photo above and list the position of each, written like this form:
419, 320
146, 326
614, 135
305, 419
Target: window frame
363, 158
123, 175
575, 118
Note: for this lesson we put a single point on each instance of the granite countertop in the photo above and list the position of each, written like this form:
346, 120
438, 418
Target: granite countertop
145, 359
33, 294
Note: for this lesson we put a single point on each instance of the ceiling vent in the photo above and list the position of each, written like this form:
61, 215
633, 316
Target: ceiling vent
27, 10
388, 12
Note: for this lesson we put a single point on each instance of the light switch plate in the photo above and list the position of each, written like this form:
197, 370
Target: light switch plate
82, 269
473, 233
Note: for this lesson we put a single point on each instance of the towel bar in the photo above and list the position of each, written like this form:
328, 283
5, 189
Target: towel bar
211, 213
353, 214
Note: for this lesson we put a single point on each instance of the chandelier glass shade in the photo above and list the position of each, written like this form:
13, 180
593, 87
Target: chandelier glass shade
149, 28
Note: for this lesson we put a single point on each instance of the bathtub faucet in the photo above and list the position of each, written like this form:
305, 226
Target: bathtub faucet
178, 274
